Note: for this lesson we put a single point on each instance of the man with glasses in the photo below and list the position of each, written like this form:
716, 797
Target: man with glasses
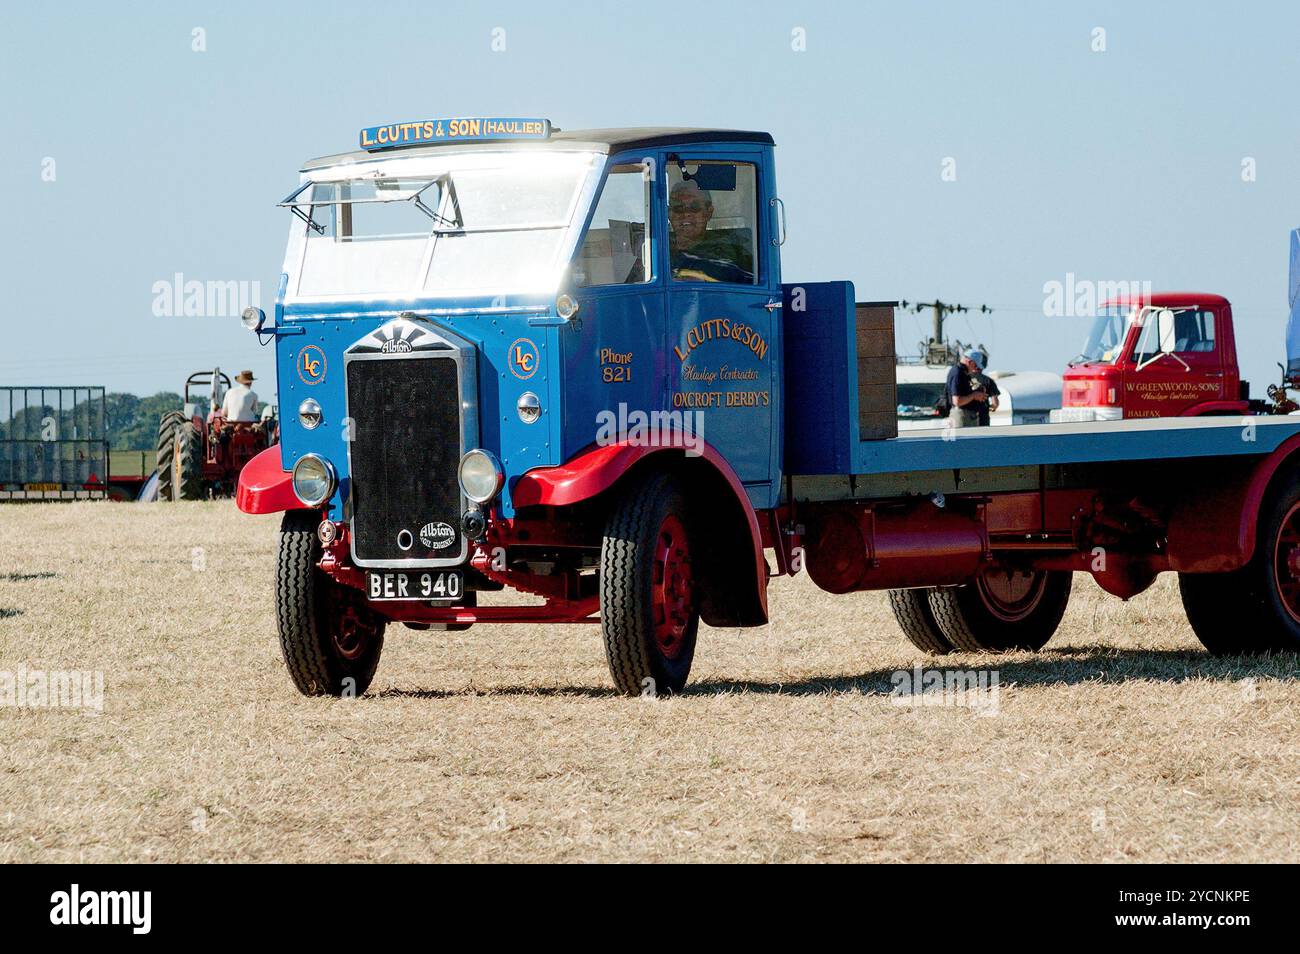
696, 253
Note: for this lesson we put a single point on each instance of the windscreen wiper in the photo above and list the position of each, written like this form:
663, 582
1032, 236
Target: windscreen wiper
447, 189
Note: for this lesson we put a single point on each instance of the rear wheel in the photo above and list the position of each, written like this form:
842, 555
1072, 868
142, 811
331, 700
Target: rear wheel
648, 609
916, 620
166, 452
187, 463
1003, 610
330, 638
1257, 608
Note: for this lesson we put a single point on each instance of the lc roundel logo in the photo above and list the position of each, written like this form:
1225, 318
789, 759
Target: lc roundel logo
311, 364
523, 359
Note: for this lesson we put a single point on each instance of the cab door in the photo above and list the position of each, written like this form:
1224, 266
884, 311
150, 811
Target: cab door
723, 307
614, 353
1177, 363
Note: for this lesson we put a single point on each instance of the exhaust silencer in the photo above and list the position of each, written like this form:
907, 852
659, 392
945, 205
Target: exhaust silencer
862, 548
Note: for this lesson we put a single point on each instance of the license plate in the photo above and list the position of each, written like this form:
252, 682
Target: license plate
43, 488
445, 585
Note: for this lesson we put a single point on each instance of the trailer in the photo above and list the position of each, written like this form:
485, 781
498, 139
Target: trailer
129, 472
568, 364
53, 443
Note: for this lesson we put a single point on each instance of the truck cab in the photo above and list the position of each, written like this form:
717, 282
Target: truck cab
1165, 355
485, 328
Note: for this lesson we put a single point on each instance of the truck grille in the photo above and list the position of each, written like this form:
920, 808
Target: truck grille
405, 448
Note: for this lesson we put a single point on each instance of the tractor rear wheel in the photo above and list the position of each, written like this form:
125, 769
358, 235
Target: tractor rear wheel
187, 463
166, 452
648, 602
916, 620
1255, 609
330, 638
1003, 610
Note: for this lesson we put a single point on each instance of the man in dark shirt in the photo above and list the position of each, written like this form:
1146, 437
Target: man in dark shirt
982, 382
964, 398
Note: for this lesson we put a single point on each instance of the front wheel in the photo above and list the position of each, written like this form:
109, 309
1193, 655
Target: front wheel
330, 638
1003, 610
648, 612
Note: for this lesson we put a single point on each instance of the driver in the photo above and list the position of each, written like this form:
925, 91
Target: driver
696, 253
240, 403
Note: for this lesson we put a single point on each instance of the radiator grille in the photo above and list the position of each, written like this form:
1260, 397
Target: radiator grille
406, 445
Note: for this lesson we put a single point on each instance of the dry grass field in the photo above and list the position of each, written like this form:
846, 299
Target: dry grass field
1120, 742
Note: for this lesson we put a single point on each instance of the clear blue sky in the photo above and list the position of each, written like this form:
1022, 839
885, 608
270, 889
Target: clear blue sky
1122, 165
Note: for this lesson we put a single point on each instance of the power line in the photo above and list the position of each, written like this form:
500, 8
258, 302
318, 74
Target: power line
937, 349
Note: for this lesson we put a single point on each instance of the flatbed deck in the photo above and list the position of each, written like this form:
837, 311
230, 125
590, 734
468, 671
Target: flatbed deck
1024, 456
1092, 442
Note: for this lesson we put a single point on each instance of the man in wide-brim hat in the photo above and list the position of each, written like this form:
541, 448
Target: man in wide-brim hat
240, 402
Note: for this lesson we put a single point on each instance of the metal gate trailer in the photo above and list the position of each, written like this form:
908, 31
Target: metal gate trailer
567, 363
53, 443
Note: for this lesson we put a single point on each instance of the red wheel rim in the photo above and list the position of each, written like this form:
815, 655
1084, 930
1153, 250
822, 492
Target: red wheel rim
672, 590
350, 634
1286, 562
1011, 595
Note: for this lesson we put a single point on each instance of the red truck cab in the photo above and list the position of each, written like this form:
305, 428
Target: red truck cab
1172, 354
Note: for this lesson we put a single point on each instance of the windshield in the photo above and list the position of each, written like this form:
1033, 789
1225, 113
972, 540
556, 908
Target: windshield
1106, 336
464, 222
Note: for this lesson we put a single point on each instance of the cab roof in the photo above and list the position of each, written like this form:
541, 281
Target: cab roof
1168, 299
587, 140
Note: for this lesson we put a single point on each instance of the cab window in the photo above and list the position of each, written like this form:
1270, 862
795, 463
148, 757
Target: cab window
616, 248
713, 221
1193, 334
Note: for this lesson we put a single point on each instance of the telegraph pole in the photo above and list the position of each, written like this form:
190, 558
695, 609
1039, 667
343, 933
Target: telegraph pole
937, 346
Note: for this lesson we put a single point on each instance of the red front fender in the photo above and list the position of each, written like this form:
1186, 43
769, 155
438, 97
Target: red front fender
598, 468
265, 486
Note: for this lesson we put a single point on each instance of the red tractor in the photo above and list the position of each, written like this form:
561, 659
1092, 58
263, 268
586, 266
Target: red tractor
200, 453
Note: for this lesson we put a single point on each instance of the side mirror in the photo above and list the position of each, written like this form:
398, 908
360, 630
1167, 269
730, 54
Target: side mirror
1165, 331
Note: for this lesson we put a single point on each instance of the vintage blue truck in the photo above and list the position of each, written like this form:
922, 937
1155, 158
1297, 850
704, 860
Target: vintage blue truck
568, 364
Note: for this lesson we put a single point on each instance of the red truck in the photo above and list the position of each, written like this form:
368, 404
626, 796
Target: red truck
1172, 354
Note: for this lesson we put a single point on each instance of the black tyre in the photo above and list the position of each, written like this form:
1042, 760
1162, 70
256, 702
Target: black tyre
166, 452
916, 620
330, 638
187, 463
1003, 610
648, 612
1255, 609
